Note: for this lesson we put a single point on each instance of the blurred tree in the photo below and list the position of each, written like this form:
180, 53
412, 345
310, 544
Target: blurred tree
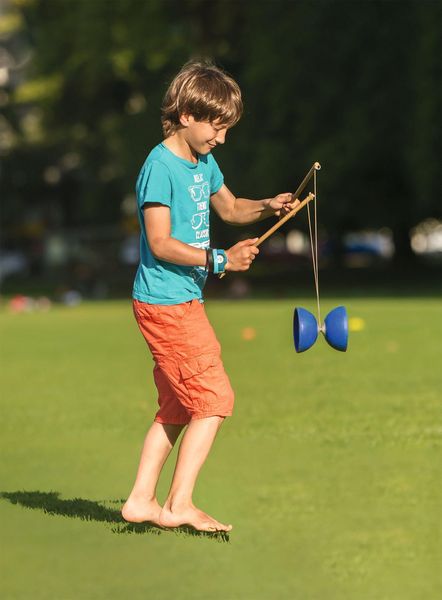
356, 86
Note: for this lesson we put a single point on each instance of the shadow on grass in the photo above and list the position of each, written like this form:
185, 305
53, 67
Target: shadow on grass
89, 510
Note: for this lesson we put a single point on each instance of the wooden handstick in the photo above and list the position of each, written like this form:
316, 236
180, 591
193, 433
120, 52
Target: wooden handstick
277, 225
288, 216
315, 167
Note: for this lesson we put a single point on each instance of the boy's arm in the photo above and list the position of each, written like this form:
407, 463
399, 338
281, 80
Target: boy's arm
240, 211
169, 249
165, 247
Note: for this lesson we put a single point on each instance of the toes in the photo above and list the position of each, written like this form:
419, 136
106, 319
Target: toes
221, 527
207, 526
211, 526
217, 525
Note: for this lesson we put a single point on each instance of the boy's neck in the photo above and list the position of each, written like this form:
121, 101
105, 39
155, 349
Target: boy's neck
177, 144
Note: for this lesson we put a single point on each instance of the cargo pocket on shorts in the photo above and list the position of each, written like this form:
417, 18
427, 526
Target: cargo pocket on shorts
203, 378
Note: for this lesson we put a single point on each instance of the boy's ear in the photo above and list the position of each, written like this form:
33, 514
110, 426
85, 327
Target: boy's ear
184, 120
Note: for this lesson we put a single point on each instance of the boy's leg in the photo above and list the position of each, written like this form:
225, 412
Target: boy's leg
178, 508
142, 504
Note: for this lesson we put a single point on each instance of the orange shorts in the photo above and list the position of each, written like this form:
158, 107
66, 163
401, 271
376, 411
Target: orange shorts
188, 371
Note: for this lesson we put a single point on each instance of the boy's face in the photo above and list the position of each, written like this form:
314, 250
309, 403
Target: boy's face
203, 136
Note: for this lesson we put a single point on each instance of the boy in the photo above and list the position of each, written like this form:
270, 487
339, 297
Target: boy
177, 185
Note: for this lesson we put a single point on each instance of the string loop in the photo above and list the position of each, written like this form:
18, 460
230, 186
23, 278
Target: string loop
314, 246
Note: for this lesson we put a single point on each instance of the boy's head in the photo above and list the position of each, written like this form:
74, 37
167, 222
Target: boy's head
204, 92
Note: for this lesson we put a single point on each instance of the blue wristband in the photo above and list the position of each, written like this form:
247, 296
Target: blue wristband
219, 261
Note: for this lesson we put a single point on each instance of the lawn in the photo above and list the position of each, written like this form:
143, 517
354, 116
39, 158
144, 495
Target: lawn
330, 469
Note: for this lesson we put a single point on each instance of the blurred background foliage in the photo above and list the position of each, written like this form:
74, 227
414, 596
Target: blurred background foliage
355, 85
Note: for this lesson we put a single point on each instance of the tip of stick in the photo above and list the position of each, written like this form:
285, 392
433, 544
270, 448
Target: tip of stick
317, 166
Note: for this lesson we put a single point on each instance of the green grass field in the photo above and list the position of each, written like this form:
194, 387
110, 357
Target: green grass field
330, 470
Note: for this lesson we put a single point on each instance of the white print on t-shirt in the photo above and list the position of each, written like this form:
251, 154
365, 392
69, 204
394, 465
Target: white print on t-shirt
199, 192
203, 245
199, 219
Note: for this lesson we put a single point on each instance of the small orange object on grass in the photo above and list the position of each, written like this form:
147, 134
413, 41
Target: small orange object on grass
248, 333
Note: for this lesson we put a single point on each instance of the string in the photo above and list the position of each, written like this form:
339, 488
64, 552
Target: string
314, 246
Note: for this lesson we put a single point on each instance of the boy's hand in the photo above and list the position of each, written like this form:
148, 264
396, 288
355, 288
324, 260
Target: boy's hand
241, 255
282, 204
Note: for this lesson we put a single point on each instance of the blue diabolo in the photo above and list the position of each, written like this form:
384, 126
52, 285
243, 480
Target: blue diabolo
306, 329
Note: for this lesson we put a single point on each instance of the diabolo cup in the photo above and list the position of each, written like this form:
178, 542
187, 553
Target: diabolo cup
305, 329
336, 328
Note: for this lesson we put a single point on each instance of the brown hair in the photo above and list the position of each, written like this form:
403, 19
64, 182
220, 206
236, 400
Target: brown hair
204, 91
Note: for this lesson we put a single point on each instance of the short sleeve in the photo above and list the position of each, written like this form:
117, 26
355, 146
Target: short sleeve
153, 184
216, 177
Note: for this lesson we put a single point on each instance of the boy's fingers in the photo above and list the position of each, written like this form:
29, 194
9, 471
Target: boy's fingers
284, 198
291, 205
249, 242
251, 250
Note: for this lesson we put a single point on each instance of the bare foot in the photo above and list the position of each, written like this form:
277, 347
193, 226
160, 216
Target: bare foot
139, 510
190, 515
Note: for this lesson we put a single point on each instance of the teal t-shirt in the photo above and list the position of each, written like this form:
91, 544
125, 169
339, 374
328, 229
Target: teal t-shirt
184, 187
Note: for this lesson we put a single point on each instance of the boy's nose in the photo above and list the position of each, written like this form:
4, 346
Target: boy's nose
221, 136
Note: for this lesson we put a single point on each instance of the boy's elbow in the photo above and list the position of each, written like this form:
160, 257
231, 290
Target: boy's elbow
229, 217
232, 219
157, 247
